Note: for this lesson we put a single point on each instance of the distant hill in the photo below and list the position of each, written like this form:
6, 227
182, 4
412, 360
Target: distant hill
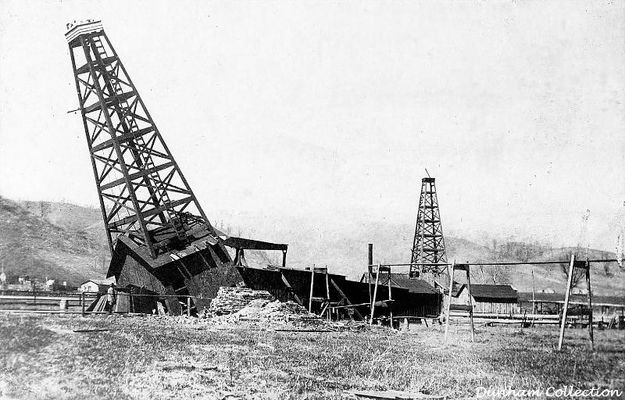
67, 215
68, 241
34, 246
343, 248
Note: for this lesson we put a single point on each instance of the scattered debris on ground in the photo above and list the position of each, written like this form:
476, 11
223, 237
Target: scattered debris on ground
266, 312
230, 300
89, 330
259, 308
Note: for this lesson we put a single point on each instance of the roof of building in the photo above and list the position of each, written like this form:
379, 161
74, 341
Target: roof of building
413, 285
102, 282
456, 289
494, 292
405, 282
242, 243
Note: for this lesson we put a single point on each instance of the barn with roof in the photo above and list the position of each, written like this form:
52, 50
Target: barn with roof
497, 299
412, 297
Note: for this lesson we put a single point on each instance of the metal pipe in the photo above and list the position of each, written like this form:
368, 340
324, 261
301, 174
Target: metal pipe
493, 263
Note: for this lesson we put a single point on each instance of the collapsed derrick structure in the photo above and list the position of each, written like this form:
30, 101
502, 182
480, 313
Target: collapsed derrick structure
337, 297
160, 238
161, 241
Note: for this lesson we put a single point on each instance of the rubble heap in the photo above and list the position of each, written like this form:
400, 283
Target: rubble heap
230, 300
243, 306
264, 312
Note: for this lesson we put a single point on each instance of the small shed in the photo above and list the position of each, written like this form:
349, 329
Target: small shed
95, 286
418, 299
497, 299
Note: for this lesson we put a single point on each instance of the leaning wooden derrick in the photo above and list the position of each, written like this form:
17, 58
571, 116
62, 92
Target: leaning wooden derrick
160, 237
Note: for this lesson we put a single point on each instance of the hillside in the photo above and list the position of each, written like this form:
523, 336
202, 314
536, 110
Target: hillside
31, 245
68, 241
343, 248
67, 215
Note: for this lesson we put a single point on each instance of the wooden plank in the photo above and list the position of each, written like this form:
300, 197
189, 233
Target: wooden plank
375, 293
566, 301
392, 394
470, 303
460, 307
390, 297
312, 287
288, 285
449, 295
590, 332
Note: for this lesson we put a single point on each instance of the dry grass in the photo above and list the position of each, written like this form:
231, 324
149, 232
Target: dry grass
150, 358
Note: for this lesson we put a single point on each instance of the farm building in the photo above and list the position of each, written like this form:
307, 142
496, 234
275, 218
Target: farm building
95, 286
495, 299
422, 299
498, 299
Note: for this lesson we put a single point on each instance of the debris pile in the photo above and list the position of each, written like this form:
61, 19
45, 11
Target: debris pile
243, 306
265, 312
230, 300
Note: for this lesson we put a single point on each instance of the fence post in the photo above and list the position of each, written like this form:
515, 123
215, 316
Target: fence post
188, 306
566, 301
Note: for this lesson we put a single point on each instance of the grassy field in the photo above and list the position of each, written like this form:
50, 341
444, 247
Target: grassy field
42, 357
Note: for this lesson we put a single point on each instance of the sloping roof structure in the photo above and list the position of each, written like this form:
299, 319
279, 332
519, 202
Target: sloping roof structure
494, 292
413, 285
456, 289
251, 244
101, 282
405, 282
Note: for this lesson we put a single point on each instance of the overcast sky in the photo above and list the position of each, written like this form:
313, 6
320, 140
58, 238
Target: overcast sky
332, 110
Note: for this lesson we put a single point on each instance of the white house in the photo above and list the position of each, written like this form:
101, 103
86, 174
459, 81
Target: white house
95, 285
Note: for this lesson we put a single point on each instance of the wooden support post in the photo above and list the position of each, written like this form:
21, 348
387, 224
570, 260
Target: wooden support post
369, 266
470, 303
590, 316
327, 285
369, 283
344, 296
188, 306
283, 258
328, 293
390, 297
566, 301
533, 298
82, 303
375, 294
131, 301
312, 286
449, 296
290, 288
